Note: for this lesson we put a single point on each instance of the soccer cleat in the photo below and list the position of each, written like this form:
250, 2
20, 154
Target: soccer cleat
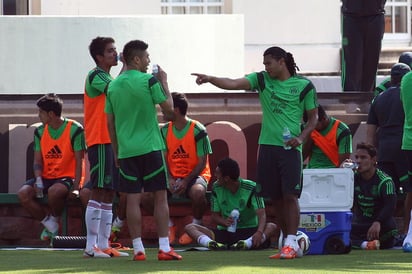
407, 247
275, 256
373, 245
168, 256
95, 253
140, 256
185, 239
213, 245
288, 252
240, 245
172, 234
112, 252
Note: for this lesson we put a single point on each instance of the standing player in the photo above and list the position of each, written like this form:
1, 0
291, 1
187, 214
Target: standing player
138, 145
99, 214
284, 97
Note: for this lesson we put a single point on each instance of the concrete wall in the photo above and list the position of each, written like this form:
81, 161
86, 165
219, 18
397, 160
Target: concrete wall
50, 54
309, 29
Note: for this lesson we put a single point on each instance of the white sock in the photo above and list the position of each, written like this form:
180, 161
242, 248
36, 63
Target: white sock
291, 241
50, 223
138, 245
197, 221
105, 226
118, 223
92, 219
203, 240
164, 244
408, 238
171, 223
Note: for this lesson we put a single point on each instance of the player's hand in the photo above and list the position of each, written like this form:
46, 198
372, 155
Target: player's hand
201, 78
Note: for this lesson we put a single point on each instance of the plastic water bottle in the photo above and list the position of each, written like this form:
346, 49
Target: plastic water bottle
235, 216
155, 69
286, 135
351, 165
39, 188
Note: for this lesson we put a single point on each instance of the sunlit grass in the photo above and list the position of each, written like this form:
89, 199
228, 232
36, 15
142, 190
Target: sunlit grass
232, 262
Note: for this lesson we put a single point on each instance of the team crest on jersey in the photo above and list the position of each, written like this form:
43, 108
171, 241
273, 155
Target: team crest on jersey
293, 91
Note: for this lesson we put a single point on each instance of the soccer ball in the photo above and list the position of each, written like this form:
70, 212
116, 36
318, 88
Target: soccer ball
303, 241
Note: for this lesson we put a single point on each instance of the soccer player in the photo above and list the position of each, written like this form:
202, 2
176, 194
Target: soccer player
329, 144
373, 224
58, 163
232, 192
284, 97
138, 145
99, 214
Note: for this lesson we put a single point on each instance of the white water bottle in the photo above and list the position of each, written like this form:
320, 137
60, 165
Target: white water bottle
235, 216
39, 188
286, 135
155, 69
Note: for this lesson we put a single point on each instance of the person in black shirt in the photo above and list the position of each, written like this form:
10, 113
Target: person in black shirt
373, 224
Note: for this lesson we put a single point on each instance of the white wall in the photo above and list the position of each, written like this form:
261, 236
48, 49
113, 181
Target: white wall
309, 29
50, 54
99, 7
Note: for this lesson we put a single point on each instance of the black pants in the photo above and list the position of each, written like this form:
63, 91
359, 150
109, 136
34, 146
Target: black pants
361, 47
359, 231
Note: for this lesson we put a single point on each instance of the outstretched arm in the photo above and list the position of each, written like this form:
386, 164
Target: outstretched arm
224, 83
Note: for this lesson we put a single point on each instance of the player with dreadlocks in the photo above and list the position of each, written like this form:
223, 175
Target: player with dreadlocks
284, 97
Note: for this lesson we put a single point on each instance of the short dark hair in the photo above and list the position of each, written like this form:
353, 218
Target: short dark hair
180, 101
229, 167
98, 45
133, 48
278, 53
51, 102
371, 149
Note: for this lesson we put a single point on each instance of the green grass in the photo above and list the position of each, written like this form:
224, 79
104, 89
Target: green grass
357, 261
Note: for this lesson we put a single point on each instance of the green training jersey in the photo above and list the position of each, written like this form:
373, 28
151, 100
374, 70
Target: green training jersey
97, 82
203, 146
318, 159
76, 135
245, 200
283, 104
132, 99
406, 98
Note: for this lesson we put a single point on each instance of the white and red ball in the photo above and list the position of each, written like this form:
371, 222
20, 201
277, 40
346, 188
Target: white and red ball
303, 241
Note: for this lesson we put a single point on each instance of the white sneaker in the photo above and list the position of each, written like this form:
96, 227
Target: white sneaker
95, 253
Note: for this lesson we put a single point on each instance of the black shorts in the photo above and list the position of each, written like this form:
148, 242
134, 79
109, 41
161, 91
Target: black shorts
279, 172
146, 172
66, 181
102, 167
229, 238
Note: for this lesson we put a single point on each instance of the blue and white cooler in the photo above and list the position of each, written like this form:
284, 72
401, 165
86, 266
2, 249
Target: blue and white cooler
325, 206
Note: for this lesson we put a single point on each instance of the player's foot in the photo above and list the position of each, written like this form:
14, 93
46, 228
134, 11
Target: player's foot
275, 256
185, 239
213, 245
172, 234
139, 256
407, 247
168, 256
112, 252
240, 245
372, 245
95, 253
288, 252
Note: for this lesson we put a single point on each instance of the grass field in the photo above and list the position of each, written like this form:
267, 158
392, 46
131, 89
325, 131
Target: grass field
59, 261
